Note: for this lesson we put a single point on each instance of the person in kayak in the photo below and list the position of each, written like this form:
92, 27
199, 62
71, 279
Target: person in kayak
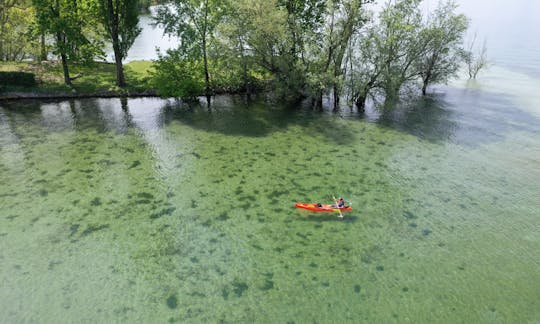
340, 203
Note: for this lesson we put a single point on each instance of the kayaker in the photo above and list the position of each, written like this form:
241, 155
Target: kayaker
340, 203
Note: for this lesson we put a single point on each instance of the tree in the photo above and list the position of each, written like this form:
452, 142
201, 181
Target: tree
366, 66
177, 75
69, 22
476, 61
120, 19
15, 19
194, 22
400, 45
345, 18
443, 38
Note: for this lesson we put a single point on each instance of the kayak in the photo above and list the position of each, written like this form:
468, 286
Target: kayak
328, 208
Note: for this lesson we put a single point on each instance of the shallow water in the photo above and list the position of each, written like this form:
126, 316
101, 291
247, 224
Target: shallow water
150, 210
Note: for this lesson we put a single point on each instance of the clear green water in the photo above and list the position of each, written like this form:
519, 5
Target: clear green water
146, 210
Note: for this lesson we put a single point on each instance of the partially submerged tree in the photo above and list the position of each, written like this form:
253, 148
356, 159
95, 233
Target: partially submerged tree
476, 61
120, 19
443, 39
399, 49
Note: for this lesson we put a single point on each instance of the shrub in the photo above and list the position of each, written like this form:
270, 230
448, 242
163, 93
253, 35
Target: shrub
17, 79
177, 76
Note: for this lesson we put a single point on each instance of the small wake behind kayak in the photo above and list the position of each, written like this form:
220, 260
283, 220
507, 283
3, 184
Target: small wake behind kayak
328, 208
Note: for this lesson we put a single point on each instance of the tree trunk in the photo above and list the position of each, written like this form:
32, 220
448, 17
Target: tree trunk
206, 74
424, 87
113, 15
361, 103
60, 40
336, 96
120, 79
43, 49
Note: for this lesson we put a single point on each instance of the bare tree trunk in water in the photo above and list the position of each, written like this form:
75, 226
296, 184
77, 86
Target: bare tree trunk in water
336, 97
424, 88
361, 103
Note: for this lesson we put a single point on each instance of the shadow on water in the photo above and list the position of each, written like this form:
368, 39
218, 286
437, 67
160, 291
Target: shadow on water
329, 218
462, 116
236, 116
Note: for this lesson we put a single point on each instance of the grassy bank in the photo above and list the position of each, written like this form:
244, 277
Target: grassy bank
97, 79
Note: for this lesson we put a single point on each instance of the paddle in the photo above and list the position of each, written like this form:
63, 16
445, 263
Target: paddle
337, 205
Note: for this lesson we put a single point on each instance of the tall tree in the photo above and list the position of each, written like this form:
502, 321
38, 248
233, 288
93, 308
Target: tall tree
68, 21
345, 18
15, 19
443, 39
194, 22
400, 45
120, 19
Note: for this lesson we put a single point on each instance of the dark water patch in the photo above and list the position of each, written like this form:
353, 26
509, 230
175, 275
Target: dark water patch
408, 215
405, 289
73, 229
143, 202
413, 225
194, 204
207, 223
379, 268
325, 284
277, 194
172, 302
225, 293
106, 162
95, 202
11, 217
223, 216
426, 232
93, 228
257, 247
145, 195
134, 164
40, 181
53, 264
246, 206
43, 192
239, 287
357, 289
194, 260
163, 212
313, 265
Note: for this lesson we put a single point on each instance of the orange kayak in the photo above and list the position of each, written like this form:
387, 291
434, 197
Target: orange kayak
328, 208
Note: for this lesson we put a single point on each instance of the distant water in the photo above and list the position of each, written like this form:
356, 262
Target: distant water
151, 210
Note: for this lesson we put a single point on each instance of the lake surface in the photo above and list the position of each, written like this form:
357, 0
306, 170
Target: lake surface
152, 210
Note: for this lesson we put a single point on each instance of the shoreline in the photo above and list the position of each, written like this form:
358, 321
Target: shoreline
16, 95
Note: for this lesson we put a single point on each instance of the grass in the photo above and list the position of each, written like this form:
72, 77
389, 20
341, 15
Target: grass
96, 78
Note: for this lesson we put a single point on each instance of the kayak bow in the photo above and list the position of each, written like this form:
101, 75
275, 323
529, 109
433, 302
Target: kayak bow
328, 208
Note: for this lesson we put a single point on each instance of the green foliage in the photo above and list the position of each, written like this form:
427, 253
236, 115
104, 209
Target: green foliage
120, 19
15, 20
443, 39
73, 24
17, 79
400, 49
176, 75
